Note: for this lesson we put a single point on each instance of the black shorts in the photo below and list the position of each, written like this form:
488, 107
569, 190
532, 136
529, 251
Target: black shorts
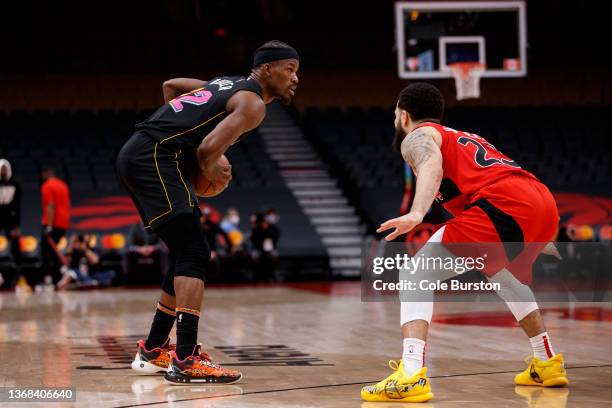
158, 179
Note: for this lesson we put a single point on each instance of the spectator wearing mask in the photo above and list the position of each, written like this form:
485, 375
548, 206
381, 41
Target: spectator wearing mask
10, 207
264, 240
238, 258
272, 217
231, 225
231, 220
55, 219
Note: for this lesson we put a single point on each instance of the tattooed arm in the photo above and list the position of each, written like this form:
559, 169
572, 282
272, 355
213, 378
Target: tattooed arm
421, 150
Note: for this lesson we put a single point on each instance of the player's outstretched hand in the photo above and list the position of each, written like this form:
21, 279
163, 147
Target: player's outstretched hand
218, 174
402, 224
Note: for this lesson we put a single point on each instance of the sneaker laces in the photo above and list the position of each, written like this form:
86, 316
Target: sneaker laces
203, 357
394, 365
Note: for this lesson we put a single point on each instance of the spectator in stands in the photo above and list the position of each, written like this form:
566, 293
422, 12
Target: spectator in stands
272, 217
10, 207
83, 265
264, 239
237, 258
218, 241
231, 220
144, 252
55, 219
230, 224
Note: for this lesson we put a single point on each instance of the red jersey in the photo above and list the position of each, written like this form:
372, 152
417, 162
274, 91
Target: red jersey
55, 191
470, 163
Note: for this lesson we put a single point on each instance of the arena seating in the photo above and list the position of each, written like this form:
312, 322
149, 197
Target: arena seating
566, 147
82, 147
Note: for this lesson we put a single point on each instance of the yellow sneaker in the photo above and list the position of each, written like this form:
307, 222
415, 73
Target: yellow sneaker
398, 387
549, 373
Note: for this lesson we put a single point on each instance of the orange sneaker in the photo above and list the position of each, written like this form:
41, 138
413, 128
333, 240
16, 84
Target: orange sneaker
152, 361
198, 369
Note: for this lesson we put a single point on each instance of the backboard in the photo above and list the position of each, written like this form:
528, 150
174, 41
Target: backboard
432, 35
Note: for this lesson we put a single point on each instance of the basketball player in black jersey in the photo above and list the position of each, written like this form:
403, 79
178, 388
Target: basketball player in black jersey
197, 124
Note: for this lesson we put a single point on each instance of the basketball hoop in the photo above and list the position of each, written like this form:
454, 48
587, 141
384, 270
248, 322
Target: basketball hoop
467, 79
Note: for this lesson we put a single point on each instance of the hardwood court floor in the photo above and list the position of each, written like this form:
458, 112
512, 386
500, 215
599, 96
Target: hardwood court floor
300, 346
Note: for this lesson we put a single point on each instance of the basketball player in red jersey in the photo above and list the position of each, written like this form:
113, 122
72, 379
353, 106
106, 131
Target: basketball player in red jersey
493, 200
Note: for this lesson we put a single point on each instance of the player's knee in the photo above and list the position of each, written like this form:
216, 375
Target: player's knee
191, 261
411, 311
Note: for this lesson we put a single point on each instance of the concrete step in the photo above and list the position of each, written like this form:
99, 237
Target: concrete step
291, 143
300, 163
301, 174
338, 230
311, 183
294, 156
322, 201
354, 251
269, 139
345, 210
345, 262
342, 220
318, 192
342, 240
289, 150
347, 273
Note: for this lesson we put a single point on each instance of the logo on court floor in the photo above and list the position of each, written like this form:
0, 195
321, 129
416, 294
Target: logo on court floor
269, 355
117, 352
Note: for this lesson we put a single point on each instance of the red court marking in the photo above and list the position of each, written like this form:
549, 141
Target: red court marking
505, 319
490, 319
341, 288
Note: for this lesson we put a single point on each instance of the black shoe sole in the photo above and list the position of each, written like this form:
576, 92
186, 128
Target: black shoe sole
172, 377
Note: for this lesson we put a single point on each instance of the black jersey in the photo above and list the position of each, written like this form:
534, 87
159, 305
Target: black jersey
183, 122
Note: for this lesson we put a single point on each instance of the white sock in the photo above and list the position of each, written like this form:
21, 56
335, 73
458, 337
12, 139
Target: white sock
414, 355
541, 345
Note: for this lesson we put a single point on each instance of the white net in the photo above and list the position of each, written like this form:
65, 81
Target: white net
467, 79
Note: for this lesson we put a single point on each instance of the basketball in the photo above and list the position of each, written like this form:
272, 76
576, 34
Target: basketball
204, 187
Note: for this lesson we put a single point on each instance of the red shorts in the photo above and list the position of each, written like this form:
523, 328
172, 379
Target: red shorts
516, 210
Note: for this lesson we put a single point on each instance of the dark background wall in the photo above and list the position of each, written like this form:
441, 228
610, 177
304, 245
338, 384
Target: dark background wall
113, 54
219, 35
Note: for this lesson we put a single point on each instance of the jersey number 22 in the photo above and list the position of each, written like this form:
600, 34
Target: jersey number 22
194, 98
